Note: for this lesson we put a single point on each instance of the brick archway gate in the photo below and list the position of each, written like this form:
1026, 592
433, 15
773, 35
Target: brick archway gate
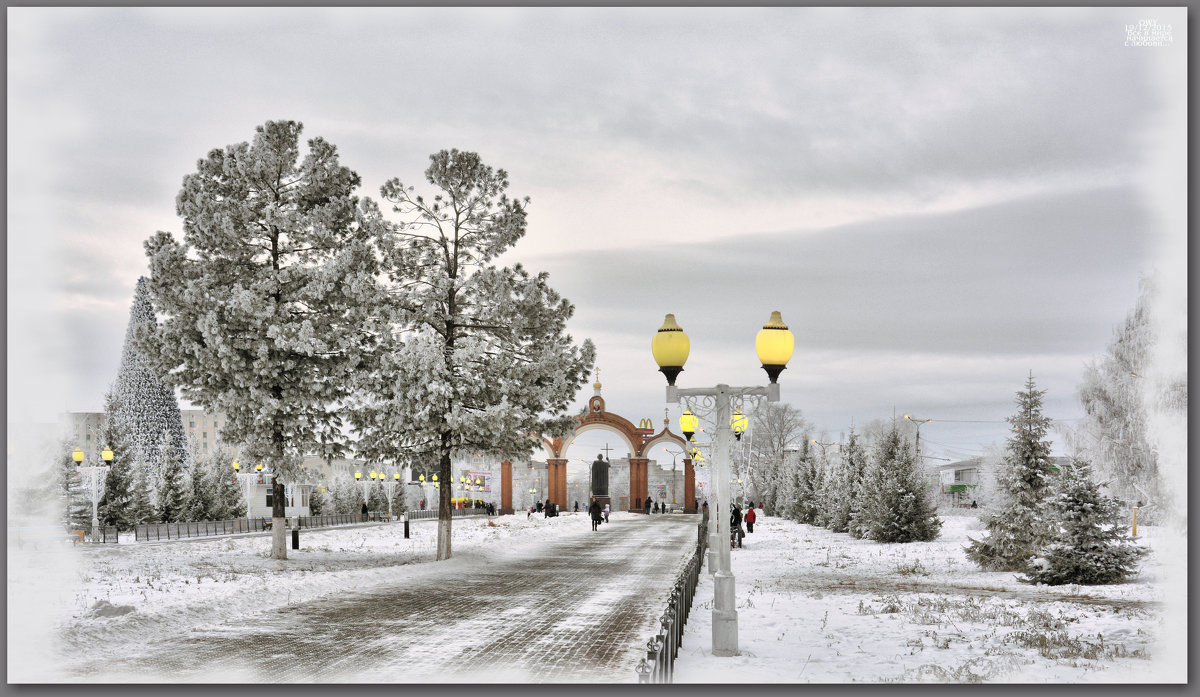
640, 441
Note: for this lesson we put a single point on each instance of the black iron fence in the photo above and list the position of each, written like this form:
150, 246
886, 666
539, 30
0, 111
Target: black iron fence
457, 513
659, 664
210, 528
325, 521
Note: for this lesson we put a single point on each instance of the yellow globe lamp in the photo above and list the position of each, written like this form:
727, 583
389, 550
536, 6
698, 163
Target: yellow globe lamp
77, 456
739, 422
774, 345
236, 466
258, 467
357, 476
372, 475
688, 423
421, 478
107, 455
396, 476
670, 347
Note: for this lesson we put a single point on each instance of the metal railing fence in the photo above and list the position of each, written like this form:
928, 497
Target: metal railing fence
659, 664
456, 512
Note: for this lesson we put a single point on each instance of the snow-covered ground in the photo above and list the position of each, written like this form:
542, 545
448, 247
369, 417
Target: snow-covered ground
65, 602
822, 607
814, 606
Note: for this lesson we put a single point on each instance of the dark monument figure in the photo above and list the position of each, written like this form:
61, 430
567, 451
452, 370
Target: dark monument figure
600, 477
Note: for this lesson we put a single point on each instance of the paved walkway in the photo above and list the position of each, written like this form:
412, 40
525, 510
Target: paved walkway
575, 610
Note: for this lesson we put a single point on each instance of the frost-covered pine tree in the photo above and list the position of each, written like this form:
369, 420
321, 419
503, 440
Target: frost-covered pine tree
896, 500
478, 357
842, 486
141, 508
377, 499
269, 301
399, 499
75, 495
1019, 526
173, 495
316, 502
347, 495
201, 499
118, 481
1090, 544
148, 408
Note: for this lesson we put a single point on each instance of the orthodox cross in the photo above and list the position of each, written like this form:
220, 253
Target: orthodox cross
606, 455
597, 373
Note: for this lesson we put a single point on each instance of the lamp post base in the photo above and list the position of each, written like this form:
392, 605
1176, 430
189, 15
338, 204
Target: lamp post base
724, 618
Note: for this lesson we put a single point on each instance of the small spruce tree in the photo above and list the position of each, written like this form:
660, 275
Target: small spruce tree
897, 502
1090, 545
1018, 528
115, 502
74, 493
202, 500
377, 500
141, 509
316, 501
172, 498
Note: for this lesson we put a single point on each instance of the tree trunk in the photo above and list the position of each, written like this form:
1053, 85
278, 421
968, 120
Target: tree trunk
278, 521
445, 510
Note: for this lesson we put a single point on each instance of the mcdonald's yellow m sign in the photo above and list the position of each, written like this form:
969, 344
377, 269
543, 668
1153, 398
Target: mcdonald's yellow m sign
646, 426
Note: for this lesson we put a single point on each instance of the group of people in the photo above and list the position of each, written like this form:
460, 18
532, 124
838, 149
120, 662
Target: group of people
736, 534
598, 515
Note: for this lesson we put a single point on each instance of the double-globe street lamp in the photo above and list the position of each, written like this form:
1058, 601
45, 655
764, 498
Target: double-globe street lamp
248, 480
774, 345
94, 474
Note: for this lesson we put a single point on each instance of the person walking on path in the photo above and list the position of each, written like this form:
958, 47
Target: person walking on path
750, 517
607, 510
735, 526
594, 511
647, 505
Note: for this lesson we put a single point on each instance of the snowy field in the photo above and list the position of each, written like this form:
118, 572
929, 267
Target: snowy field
814, 606
821, 607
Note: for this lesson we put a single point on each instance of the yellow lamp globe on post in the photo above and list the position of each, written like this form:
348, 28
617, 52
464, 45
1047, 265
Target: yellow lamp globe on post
739, 422
688, 423
372, 474
421, 479
77, 456
670, 347
357, 476
107, 455
774, 345
396, 476
258, 467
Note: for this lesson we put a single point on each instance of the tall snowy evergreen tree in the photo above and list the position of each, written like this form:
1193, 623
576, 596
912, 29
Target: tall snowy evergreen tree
478, 357
1089, 545
1019, 527
148, 408
118, 482
347, 495
896, 502
141, 508
268, 301
173, 495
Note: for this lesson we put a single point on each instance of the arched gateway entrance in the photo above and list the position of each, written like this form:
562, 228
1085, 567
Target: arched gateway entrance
640, 441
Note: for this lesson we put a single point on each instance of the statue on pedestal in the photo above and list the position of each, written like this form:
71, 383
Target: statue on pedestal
599, 477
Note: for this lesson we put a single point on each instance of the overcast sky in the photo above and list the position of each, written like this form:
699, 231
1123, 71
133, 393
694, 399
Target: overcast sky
938, 201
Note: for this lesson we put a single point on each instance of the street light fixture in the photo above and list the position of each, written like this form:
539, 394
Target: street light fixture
919, 423
774, 345
247, 480
688, 424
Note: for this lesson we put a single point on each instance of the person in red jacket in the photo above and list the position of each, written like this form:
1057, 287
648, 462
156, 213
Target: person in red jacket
749, 518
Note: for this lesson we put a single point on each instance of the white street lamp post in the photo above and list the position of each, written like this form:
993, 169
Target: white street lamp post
670, 346
95, 472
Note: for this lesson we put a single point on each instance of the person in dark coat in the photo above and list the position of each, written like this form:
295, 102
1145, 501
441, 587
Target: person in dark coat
647, 505
364, 510
594, 510
750, 518
546, 508
735, 526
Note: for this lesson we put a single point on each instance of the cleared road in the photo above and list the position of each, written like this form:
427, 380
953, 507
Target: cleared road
575, 610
